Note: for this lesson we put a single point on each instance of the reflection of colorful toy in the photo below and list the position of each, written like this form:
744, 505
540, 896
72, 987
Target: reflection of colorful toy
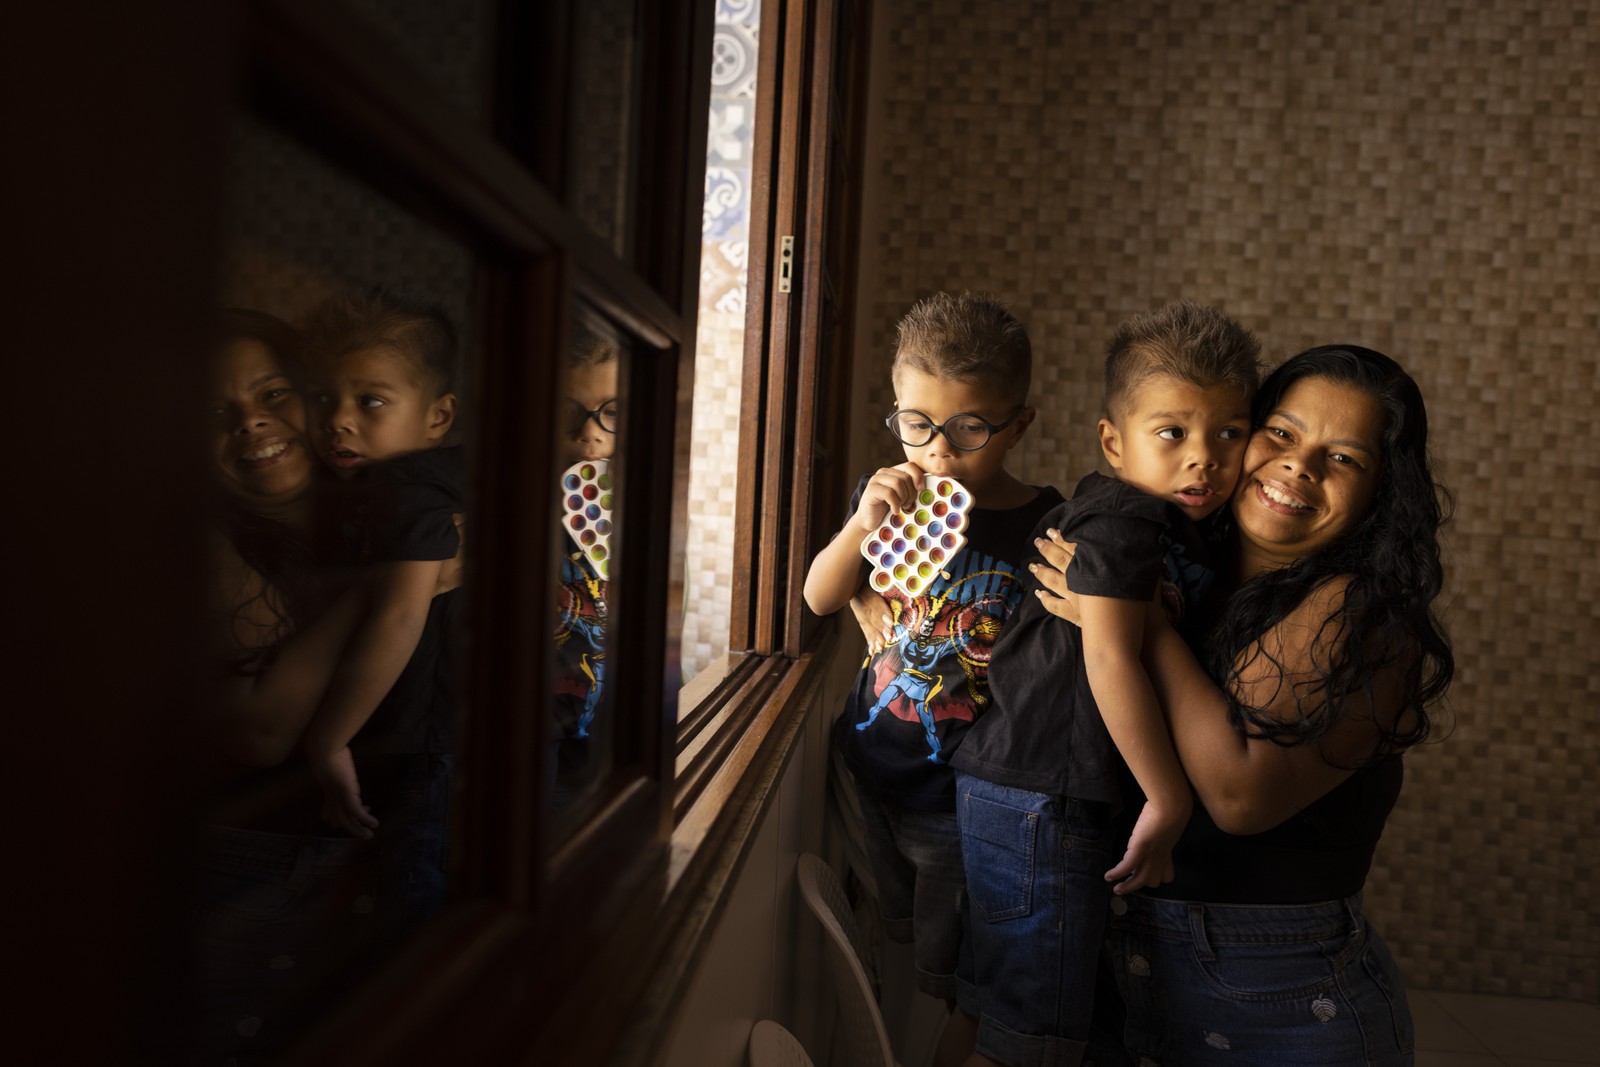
912, 548
586, 510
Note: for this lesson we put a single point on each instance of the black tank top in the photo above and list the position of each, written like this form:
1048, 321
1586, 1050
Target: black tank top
1323, 853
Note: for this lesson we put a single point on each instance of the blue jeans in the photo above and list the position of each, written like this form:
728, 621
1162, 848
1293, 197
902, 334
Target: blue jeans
916, 861
283, 923
1036, 898
1307, 985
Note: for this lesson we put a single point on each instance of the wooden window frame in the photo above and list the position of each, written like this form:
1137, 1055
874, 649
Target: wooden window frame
551, 941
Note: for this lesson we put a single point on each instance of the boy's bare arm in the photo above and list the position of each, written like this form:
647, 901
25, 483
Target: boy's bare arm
397, 610
835, 573
1113, 638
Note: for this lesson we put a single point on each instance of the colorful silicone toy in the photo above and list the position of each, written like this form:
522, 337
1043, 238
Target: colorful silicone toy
911, 548
586, 505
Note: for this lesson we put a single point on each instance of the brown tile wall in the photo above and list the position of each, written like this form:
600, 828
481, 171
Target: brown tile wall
1417, 176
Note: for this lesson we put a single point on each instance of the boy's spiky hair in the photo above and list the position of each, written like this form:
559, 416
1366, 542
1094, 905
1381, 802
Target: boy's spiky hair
416, 328
970, 337
1183, 340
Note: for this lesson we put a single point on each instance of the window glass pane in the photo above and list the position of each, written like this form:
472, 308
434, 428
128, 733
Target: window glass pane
719, 339
600, 114
450, 40
341, 408
589, 426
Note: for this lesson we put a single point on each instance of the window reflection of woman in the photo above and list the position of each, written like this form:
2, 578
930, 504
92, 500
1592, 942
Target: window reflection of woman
275, 635
284, 905
1329, 656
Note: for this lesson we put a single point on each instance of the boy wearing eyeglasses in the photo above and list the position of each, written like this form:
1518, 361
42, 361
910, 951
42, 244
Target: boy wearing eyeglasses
961, 372
590, 413
1041, 778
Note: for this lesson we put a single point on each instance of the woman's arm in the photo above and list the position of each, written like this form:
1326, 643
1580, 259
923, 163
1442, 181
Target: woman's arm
1251, 784
1248, 785
260, 717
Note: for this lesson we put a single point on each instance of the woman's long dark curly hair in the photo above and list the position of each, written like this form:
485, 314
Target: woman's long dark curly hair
1392, 560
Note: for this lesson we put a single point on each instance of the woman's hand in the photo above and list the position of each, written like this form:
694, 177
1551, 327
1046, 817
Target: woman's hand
872, 615
451, 572
1058, 600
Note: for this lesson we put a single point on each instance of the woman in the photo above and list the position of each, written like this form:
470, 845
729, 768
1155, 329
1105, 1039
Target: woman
278, 629
286, 908
278, 904
1328, 655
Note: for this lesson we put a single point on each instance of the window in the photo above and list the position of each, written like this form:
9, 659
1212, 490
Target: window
538, 171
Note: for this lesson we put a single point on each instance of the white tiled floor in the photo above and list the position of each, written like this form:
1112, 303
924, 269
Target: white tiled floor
1471, 1030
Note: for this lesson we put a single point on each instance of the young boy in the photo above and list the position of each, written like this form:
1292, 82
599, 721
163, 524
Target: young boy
1042, 773
961, 372
589, 401
382, 367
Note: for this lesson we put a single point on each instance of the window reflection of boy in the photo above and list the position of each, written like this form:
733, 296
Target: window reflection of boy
588, 417
381, 369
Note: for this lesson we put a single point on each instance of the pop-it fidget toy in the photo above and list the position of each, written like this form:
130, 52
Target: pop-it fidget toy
586, 501
912, 547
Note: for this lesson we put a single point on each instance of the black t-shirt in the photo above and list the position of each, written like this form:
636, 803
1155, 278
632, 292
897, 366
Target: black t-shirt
913, 702
1043, 732
1322, 853
403, 509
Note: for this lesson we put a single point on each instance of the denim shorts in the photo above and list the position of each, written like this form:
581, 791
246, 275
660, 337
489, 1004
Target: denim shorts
916, 861
1036, 899
1249, 986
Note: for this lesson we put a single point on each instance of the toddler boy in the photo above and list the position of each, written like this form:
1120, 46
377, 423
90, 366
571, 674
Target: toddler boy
382, 367
1040, 775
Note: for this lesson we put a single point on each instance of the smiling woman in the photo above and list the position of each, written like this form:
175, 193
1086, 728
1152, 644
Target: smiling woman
261, 417
1312, 469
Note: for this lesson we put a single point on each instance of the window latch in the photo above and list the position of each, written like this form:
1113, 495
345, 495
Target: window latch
786, 264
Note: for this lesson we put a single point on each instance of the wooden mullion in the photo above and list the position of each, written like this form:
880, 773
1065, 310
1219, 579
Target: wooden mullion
812, 264
774, 505
512, 537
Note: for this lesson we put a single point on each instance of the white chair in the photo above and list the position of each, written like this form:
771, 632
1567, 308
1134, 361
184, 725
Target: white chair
773, 1046
866, 1042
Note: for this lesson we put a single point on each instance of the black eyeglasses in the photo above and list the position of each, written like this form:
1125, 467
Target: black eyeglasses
966, 431
605, 416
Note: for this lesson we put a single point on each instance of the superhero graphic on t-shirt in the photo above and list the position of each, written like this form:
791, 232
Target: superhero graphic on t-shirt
581, 664
937, 668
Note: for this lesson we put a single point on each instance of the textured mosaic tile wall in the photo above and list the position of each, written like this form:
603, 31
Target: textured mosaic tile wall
719, 339
1415, 175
